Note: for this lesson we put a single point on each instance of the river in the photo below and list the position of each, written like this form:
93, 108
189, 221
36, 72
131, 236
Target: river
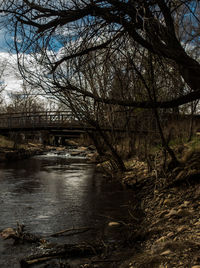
50, 193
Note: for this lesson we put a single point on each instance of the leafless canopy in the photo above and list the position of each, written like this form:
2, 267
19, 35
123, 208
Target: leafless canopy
66, 35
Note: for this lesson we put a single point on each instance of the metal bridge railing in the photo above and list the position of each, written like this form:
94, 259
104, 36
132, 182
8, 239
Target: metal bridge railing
36, 119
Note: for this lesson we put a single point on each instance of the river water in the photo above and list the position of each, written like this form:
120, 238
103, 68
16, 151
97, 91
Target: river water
50, 193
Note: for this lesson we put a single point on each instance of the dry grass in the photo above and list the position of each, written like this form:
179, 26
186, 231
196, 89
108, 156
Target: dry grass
5, 142
190, 149
9, 144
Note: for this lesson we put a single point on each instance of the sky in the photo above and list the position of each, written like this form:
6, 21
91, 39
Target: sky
8, 64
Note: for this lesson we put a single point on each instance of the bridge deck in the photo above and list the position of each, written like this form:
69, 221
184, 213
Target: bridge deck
39, 120
59, 120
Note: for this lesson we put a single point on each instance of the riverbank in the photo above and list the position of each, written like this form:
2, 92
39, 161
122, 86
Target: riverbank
17, 154
162, 225
10, 152
165, 221
170, 205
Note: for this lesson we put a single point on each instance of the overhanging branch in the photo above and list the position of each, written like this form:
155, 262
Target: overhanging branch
86, 51
192, 96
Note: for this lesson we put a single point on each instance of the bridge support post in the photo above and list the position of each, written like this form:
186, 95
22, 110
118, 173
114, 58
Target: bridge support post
63, 142
56, 141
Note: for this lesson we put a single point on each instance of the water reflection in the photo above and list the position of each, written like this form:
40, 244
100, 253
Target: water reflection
52, 193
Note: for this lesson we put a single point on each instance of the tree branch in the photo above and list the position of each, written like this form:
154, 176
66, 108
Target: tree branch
130, 103
86, 51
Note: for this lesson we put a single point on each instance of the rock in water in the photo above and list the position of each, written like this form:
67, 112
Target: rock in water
7, 233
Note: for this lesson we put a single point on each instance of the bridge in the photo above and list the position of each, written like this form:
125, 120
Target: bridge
63, 122
38, 121
60, 124
55, 121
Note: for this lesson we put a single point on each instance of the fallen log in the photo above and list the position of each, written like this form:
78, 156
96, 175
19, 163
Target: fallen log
28, 263
65, 251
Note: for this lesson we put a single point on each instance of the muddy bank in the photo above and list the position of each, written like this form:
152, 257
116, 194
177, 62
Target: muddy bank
18, 154
166, 220
170, 202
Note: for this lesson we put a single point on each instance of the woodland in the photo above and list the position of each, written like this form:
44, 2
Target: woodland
112, 63
131, 70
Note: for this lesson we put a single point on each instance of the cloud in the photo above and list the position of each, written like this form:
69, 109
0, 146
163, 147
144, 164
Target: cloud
9, 72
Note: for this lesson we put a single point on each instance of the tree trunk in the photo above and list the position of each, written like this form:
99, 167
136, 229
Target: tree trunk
96, 142
118, 160
190, 71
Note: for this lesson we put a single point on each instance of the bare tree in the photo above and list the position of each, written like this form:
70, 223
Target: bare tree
93, 54
158, 26
24, 101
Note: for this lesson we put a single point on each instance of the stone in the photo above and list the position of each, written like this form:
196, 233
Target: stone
161, 239
170, 234
6, 233
90, 155
163, 213
180, 212
183, 213
167, 202
185, 204
75, 153
166, 252
114, 224
92, 147
182, 228
172, 212
82, 148
191, 210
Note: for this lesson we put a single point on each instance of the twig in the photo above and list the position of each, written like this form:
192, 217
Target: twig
27, 263
98, 261
79, 230
133, 217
